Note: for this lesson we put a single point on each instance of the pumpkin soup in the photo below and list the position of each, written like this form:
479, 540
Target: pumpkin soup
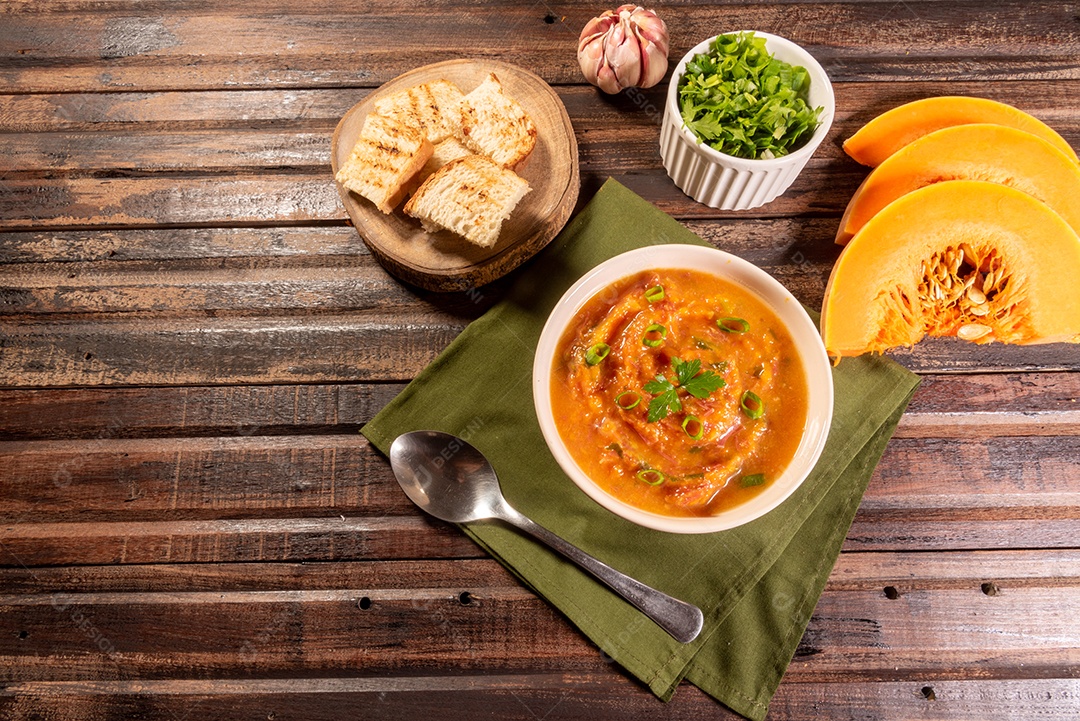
678, 392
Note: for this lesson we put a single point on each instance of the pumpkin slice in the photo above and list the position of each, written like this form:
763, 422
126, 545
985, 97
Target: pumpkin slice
966, 258
895, 128
980, 151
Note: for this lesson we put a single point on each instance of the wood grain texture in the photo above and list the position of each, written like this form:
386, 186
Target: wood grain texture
191, 335
320, 497
526, 697
180, 48
944, 406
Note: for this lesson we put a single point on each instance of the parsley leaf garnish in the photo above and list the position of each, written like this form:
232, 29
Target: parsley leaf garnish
688, 377
666, 398
738, 99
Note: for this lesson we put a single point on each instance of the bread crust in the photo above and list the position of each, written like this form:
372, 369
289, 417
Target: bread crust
495, 125
470, 196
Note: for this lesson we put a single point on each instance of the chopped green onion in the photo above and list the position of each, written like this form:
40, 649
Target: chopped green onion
632, 399
651, 476
732, 325
616, 448
700, 344
752, 405
655, 294
754, 479
693, 427
597, 353
654, 335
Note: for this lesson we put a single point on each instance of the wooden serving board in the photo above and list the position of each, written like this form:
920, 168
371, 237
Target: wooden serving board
443, 261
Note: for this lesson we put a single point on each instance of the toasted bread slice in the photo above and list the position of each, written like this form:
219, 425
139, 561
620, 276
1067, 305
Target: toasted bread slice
470, 196
433, 107
447, 150
495, 125
385, 157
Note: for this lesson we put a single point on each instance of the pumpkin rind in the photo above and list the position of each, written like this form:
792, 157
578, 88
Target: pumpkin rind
893, 129
981, 151
967, 258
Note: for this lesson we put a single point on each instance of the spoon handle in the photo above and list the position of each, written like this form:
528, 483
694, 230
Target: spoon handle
680, 619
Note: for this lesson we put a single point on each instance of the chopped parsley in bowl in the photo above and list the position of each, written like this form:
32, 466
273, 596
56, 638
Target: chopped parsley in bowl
745, 111
740, 100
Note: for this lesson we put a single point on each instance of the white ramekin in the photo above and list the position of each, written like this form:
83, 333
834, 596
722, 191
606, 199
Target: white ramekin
724, 181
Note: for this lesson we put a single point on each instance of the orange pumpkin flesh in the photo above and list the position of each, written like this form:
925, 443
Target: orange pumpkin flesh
893, 129
980, 151
966, 258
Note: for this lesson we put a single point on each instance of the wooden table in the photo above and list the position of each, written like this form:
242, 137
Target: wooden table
190, 524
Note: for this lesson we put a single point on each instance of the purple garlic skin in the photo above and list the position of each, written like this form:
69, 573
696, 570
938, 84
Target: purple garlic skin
624, 48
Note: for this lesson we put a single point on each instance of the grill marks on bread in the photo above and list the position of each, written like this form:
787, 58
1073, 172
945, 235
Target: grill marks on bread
457, 151
387, 154
470, 196
433, 107
495, 125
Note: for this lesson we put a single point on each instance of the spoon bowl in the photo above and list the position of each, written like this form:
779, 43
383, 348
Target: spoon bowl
453, 481
461, 491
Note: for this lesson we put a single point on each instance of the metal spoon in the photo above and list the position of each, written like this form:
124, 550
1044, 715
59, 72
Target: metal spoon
451, 480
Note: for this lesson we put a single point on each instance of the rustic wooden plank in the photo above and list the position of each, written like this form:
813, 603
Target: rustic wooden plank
964, 700
358, 287
331, 536
973, 473
210, 478
229, 7
99, 414
436, 588
377, 346
181, 248
281, 198
302, 349
872, 532
177, 110
231, 199
102, 51
961, 406
282, 538
625, 126
457, 575
885, 638
113, 478
524, 697
987, 571
616, 138
527, 697
867, 571
944, 406
268, 498
857, 632
226, 149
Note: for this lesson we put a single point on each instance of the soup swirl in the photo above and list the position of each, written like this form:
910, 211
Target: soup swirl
679, 392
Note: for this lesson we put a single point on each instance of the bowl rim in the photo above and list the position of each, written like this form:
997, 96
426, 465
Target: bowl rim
773, 43
816, 366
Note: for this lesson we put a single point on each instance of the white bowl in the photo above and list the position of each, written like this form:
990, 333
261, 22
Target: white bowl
724, 181
803, 331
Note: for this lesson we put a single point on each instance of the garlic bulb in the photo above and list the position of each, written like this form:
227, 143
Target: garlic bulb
623, 48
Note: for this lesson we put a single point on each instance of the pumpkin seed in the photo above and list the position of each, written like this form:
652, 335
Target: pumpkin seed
973, 331
976, 296
979, 310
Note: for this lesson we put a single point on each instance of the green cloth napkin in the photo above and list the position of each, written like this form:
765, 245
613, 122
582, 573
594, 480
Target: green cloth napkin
757, 584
